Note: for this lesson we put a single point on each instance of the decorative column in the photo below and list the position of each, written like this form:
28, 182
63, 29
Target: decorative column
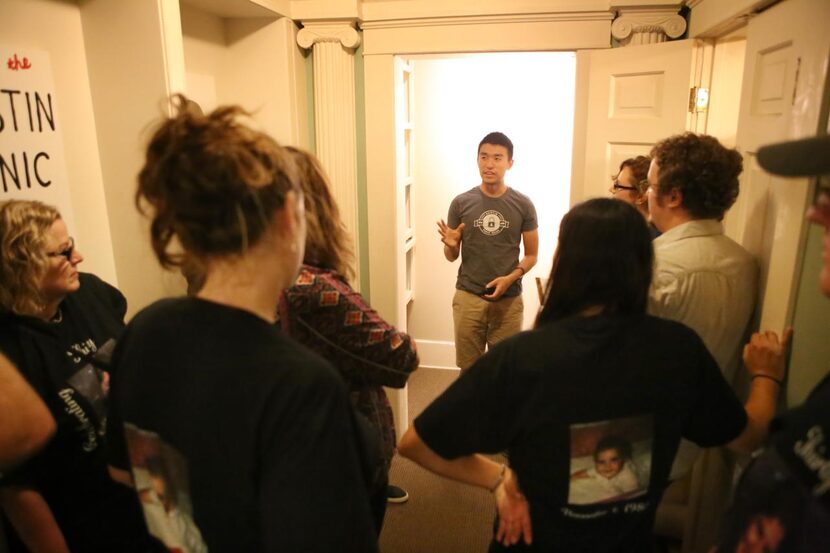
332, 45
647, 26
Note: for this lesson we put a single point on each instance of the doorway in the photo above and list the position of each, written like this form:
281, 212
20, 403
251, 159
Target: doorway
457, 100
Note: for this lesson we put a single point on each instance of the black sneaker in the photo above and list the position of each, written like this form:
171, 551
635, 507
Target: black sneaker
394, 494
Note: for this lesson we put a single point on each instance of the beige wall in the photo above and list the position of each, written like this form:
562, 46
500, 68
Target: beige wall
253, 62
130, 55
55, 27
114, 63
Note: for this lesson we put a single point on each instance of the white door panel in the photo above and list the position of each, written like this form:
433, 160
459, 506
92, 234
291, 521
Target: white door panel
786, 59
637, 95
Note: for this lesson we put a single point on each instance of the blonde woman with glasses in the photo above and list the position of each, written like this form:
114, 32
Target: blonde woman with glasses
54, 321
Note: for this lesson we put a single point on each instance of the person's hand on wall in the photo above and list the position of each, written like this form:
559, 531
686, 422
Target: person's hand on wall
765, 355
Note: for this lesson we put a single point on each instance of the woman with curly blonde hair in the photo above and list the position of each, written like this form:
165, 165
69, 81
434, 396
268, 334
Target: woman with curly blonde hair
23, 230
54, 321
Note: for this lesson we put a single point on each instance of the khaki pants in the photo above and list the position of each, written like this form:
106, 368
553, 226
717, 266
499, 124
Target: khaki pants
479, 322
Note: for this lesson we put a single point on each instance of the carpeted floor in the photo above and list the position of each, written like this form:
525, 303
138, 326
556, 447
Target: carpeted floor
441, 516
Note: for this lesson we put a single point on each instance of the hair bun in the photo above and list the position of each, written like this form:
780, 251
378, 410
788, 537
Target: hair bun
211, 181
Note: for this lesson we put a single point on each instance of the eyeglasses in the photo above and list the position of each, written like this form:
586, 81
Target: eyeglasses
616, 186
66, 252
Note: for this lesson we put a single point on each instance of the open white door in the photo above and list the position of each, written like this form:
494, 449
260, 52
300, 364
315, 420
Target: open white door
404, 234
630, 97
784, 79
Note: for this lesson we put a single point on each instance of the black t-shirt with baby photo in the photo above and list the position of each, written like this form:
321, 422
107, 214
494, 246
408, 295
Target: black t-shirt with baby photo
238, 438
62, 360
590, 411
782, 500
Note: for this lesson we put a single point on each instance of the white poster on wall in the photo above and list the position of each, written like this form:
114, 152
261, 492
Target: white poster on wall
32, 159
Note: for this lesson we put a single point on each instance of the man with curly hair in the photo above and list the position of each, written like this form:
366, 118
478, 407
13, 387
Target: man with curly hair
702, 278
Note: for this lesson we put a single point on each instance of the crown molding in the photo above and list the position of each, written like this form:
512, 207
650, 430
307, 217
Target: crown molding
487, 19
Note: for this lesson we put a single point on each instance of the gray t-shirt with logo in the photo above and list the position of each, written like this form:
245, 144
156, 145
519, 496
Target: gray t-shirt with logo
491, 237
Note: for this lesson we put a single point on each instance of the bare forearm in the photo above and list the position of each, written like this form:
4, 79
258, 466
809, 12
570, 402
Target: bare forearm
760, 410
451, 253
522, 268
27, 424
764, 359
528, 262
33, 520
476, 470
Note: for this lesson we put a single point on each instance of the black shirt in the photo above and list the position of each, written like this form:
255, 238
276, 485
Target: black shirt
93, 512
782, 499
556, 396
255, 431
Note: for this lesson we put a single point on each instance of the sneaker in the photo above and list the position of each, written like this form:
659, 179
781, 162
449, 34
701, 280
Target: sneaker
394, 494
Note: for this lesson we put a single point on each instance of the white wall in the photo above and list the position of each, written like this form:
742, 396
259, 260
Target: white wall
135, 61
725, 95
253, 62
458, 100
203, 39
54, 26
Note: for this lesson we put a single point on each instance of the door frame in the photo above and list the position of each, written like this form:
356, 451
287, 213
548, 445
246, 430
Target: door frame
383, 41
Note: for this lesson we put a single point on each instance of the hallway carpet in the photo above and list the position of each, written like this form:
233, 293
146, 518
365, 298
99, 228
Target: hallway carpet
441, 516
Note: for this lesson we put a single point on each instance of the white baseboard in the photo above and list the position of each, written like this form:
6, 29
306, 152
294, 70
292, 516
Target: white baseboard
435, 354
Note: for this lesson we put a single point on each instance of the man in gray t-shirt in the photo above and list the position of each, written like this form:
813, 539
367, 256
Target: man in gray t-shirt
491, 220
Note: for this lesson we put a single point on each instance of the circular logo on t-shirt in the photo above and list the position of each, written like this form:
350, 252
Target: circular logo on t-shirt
491, 222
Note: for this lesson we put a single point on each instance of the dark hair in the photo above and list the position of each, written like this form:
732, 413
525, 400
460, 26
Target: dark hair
213, 183
639, 170
702, 169
604, 257
327, 242
618, 444
769, 490
499, 139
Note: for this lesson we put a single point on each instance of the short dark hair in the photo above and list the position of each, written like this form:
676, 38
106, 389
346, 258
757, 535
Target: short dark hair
617, 443
702, 169
499, 139
604, 257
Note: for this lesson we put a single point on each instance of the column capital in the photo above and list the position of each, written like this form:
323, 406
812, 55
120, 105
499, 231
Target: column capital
643, 26
343, 32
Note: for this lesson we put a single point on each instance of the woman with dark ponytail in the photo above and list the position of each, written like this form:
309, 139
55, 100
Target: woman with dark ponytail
595, 367
254, 431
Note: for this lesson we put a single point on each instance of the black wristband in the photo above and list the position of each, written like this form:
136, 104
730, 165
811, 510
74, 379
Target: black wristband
754, 376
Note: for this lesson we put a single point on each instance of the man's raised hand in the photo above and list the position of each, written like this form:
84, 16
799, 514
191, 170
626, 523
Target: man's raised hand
450, 236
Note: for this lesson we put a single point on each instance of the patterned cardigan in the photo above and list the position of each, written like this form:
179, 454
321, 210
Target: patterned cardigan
322, 312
